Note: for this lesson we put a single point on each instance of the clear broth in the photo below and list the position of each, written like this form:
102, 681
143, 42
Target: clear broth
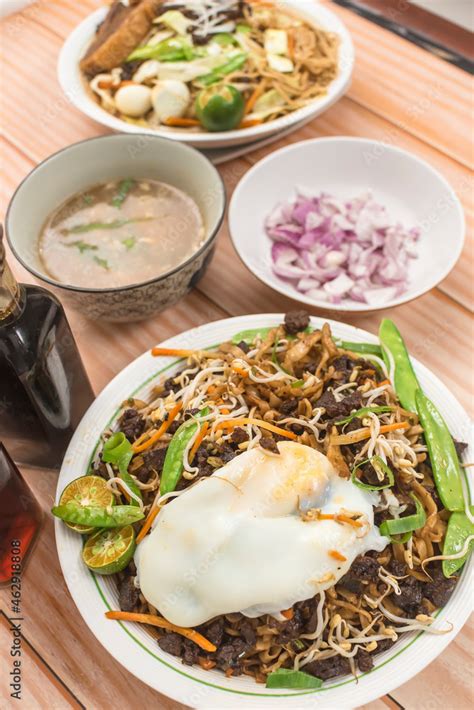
120, 233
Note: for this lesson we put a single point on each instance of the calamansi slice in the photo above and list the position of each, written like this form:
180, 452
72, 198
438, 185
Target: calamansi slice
109, 551
87, 490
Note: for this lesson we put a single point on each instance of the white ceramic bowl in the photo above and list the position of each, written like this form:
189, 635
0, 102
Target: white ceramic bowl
98, 160
412, 191
136, 650
74, 86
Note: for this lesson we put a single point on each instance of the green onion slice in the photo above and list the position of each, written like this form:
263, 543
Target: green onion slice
118, 451
376, 462
297, 383
364, 348
287, 678
362, 413
409, 523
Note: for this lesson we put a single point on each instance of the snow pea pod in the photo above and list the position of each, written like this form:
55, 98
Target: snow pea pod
97, 517
444, 459
460, 529
363, 348
398, 364
118, 451
173, 465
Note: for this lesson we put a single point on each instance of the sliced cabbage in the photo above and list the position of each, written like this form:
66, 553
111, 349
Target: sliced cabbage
280, 64
276, 41
175, 20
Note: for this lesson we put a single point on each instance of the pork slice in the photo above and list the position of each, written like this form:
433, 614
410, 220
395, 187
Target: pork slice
122, 30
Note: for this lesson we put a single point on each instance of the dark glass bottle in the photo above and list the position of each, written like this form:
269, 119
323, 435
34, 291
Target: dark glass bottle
44, 389
20, 519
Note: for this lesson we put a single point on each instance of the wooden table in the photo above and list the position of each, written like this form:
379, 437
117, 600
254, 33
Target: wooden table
400, 94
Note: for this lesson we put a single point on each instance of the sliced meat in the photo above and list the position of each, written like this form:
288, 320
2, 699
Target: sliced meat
152, 461
328, 667
118, 35
410, 599
190, 652
269, 444
460, 447
363, 569
339, 409
171, 643
288, 407
364, 661
440, 589
239, 435
229, 655
296, 321
132, 424
214, 632
128, 595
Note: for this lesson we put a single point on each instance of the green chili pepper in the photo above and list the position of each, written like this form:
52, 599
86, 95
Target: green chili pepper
219, 73
364, 348
398, 364
287, 678
409, 523
459, 530
362, 412
375, 462
173, 464
220, 108
97, 517
118, 451
224, 39
444, 459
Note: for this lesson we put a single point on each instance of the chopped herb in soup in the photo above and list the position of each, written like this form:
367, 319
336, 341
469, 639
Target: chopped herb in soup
120, 233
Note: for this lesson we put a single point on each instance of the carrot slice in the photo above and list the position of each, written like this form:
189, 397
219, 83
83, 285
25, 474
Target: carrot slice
231, 423
154, 620
288, 613
148, 523
254, 96
361, 434
199, 438
337, 556
159, 433
174, 352
249, 122
240, 371
178, 122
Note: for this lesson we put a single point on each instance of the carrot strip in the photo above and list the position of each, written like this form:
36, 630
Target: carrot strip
249, 122
337, 556
231, 423
148, 523
176, 121
384, 382
174, 352
197, 443
361, 434
254, 96
159, 433
350, 521
206, 663
288, 613
240, 371
154, 620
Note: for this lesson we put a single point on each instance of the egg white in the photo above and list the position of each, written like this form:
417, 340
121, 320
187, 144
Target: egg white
242, 539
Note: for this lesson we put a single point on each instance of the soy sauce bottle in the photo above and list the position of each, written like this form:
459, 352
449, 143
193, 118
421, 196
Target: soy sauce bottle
44, 389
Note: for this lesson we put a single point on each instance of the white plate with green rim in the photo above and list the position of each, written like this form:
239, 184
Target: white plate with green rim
138, 652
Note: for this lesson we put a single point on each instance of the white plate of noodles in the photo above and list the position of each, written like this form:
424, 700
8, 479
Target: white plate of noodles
137, 650
283, 80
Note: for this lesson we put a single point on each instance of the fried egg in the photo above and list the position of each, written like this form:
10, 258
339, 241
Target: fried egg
257, 536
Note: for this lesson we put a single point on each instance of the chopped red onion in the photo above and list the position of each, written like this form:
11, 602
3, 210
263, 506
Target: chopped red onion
333, 250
